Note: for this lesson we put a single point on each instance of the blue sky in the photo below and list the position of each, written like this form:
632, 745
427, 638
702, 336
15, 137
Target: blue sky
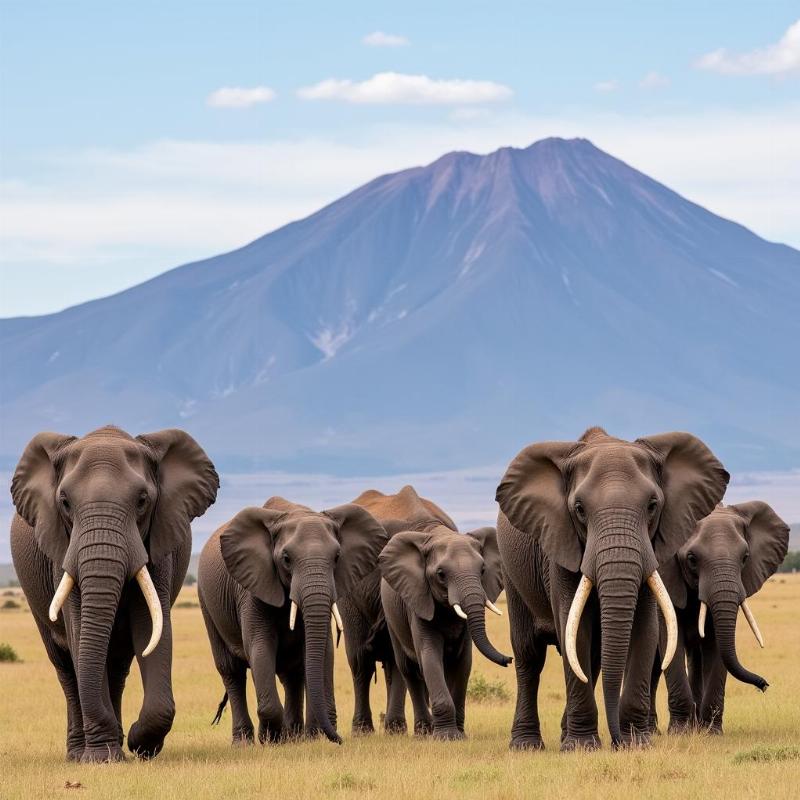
135, 137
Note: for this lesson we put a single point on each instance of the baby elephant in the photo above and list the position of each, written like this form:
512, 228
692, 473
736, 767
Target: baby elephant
436, 585
256, 573
728, 557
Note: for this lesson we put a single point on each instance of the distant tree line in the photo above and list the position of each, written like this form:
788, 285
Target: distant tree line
791, 563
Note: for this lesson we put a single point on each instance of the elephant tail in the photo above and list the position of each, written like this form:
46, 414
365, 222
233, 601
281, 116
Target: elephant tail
220, 709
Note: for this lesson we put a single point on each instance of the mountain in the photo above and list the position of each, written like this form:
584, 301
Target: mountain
438, 317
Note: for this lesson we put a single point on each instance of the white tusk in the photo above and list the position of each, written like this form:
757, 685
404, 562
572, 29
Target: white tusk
338, 617
668, 610
751, 621
62, 593
701, 620
153, 606
573, 621
460, 611
292, 615
492, 607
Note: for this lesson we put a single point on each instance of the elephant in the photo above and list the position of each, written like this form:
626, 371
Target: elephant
255, 573
93, 513
366, 636
730, 554
435, 588
582, 529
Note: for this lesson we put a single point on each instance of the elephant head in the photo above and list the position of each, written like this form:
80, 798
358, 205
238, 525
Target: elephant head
730, 554
285, 551
102, 507
613, 510
449, 569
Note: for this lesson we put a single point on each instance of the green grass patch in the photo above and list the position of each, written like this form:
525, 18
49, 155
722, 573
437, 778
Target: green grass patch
482, 690
349, 781
8, 654
765, 754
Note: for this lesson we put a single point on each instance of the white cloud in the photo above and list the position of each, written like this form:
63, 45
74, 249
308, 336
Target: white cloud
654, 80
381, 39
605, 87
397, 88
238, 97
780, 58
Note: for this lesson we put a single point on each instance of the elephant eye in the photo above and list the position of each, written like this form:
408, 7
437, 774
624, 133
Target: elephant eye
285, 558
691, 559
580, 511
745, 556
440, 574
141, 503
483, 569
336, 557
652, 507
65, 503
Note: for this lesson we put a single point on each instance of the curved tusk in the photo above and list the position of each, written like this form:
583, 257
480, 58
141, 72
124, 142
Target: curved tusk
153, 606
573, 621
492, 607
701, 620
751, 621
338, 617
62, 593
668, 610
292, 615
460, 611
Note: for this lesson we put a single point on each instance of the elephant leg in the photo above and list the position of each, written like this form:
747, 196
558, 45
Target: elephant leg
714, 678
634, 710
362, 668
457, 675
529, 658
234, 678
293, 685
431, 655
395, 720
694, 658
262, 654
423, 722
680, 701
61, 659
655, 677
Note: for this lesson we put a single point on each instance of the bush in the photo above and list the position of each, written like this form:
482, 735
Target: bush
481, 690
764, 754
10, 604
189, 580
8, 653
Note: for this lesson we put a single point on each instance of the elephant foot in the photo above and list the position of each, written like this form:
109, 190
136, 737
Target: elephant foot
571, 743
293, 732
395, 726
423, 727
269, 734
144, 744
448, 734
75, 753
680, 727
526, 743
363, 726
713, 728
102, 754
634, 739
243, 737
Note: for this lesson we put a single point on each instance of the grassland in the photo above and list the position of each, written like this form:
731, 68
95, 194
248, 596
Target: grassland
758, 756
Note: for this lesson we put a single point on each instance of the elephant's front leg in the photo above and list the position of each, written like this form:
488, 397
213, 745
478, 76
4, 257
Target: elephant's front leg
395, 721
262, 653
715, 675
457, 673
430, 649
682, 709
634, 709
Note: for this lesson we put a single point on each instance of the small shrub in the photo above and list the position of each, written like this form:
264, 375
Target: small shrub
8, 653
481, 690
9, 605
189, 580
764, 754
186, 604
349, 781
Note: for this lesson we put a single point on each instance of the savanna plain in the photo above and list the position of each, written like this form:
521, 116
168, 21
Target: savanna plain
759, 755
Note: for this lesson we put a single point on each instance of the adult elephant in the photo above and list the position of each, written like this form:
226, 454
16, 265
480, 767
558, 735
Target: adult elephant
582, 529
268, 582
730, 554
366, 636
93, 514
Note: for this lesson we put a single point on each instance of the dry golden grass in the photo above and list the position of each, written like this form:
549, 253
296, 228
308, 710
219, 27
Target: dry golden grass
757, 757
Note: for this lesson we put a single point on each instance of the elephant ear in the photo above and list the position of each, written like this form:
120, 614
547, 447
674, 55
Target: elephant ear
187, 486
33, 490
247, 550
361, 538
493, 576
693, 481
768, 539
402, 564
532, 496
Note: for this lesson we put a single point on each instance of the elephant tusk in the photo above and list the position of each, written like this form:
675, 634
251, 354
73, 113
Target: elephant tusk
573, 621
668, 610
751, 621
701, 620
492, 607
153, 606
338, 617
62, 592
292, 615
460, 611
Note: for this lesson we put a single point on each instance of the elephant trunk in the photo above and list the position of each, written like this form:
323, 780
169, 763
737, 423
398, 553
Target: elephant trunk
473, 602
316, 600
724, 601
619, 578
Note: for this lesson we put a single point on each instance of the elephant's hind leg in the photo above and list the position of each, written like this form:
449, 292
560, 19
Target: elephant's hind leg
362, 669
395, 720
529, 657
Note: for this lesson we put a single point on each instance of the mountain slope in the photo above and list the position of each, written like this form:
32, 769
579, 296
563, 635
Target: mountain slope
440, 316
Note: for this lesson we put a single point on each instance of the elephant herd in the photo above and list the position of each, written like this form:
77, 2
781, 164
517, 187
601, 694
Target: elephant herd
618, 553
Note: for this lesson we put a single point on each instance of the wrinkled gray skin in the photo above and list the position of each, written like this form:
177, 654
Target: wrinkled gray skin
250, 571
729, 556
365, 633
613, 511
102, 507
424, 573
